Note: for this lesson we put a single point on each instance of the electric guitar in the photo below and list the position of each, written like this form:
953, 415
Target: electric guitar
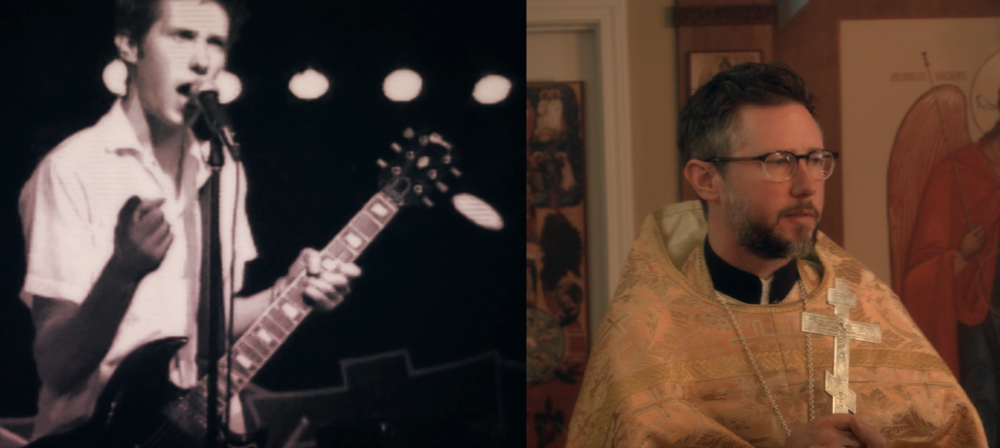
140, 407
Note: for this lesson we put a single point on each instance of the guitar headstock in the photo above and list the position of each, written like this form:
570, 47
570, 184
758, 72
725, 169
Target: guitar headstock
419, 169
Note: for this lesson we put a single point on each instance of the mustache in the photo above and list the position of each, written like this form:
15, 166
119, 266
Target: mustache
801, 208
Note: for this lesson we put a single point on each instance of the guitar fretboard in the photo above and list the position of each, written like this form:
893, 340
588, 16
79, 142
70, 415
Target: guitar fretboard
287, 311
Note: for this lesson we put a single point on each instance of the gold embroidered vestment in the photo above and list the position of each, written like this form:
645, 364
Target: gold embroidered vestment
667, 368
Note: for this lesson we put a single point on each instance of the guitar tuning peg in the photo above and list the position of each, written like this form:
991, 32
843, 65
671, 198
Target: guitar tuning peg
428, 201
436, 138
441, 186
396, 147
381, 163
408, 133
455, 172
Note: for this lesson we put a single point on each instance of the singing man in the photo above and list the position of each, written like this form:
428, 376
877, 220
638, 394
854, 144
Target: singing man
113, 222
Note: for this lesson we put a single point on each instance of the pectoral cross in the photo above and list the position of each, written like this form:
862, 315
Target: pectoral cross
843, 330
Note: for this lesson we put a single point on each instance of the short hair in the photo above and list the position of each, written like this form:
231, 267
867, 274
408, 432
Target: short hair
708, 124
134, 18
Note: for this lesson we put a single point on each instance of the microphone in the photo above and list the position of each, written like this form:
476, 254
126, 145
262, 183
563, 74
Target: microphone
218, 122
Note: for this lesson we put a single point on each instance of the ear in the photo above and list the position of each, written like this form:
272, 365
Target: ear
704, 178
126, 51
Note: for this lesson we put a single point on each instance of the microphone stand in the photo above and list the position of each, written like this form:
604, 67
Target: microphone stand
221, 135
213, 435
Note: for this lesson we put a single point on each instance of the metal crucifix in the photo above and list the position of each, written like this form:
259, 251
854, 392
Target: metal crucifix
843, 330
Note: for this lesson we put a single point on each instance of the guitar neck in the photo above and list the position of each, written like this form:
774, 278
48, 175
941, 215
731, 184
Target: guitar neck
287, 311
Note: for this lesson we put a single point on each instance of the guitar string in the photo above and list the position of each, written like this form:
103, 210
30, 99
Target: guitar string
158, 436
163, 433
164, 440
154, 439
154, 442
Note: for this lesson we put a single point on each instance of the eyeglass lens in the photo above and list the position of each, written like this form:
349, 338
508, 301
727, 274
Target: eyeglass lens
782, 165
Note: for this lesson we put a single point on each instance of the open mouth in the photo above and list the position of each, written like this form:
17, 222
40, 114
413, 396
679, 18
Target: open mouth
188, 94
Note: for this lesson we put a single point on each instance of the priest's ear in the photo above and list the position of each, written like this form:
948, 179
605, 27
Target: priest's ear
704, 179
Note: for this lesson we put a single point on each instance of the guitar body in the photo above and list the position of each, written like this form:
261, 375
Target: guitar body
130, 409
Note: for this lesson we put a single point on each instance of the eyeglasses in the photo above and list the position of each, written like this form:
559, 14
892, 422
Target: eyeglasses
780, 166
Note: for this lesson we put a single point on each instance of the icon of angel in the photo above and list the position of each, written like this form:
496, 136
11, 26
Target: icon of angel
944, 225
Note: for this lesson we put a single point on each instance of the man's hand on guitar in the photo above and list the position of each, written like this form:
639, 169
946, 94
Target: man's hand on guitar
326, 282
142, 236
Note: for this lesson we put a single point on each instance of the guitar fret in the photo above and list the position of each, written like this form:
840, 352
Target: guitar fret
238, 378
263, 336
294, 309
379, 210
382, 208
272, 328
354, 241
337, 249
253, 340
280, 319
370, 215
365, 226
245, 350
240, 370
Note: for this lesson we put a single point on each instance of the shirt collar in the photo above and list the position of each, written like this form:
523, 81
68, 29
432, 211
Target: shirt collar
120, 137
744, 286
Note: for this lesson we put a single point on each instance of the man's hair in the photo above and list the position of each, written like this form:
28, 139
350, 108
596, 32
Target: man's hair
134, 18
708, 124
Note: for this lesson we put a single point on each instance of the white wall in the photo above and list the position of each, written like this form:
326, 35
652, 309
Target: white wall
586, 40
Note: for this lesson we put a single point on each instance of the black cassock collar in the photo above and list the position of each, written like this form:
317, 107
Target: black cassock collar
744, 286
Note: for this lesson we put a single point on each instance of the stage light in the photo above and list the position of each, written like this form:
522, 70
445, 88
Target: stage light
402, 85
477, 211
309, 84
229, 86
114, 76
491, 89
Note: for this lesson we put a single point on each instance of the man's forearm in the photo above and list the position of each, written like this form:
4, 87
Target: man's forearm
248, 309
72, 341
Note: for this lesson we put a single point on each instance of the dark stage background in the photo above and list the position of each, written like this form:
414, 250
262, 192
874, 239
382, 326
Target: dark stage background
432, 282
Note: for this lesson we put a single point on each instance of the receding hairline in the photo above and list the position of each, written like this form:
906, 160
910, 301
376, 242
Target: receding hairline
737, 129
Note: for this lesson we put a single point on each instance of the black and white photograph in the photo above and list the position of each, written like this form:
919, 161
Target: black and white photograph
305, 202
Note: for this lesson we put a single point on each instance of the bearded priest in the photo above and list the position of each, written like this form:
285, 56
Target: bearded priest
737, 323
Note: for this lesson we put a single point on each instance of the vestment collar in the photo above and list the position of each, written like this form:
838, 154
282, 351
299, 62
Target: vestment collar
744, 286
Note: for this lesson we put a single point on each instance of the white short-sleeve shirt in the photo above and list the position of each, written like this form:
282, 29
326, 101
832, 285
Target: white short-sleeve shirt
69, 209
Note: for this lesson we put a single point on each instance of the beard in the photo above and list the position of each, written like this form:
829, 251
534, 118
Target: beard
762, 239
